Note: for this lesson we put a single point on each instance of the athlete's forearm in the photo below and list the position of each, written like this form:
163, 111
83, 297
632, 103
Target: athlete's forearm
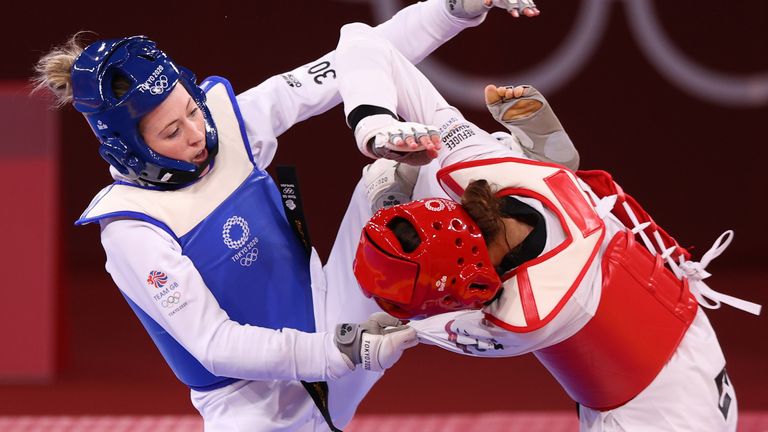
255, 353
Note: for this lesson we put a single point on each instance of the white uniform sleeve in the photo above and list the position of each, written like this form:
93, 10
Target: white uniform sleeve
224, 347
281, 101
469, 333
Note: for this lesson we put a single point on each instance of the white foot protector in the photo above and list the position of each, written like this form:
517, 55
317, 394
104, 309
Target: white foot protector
472, 8
389, 183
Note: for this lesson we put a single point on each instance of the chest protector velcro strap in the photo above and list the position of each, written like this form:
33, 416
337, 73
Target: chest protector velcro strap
537, 290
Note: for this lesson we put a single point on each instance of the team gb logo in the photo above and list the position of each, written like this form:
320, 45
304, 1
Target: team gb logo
157, 279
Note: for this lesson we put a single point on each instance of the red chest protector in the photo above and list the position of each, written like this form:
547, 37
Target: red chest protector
644, 309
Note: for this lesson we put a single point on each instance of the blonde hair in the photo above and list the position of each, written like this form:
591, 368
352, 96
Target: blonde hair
54, 70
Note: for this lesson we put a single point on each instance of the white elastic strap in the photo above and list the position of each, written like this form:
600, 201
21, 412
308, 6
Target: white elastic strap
605, 205
706, 296
638, 228
666, 252
667, 255
694, 271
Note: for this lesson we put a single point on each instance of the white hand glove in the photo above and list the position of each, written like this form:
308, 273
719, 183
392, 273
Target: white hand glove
377, 343
381, 136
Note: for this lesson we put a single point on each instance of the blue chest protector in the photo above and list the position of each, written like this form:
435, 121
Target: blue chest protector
243, 246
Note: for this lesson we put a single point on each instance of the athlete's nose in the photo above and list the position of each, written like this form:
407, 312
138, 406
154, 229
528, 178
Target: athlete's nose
197, 134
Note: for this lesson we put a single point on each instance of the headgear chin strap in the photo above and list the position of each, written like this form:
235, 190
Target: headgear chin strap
151, 76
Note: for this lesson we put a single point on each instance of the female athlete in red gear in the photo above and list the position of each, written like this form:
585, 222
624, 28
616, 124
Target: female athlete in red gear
539, 258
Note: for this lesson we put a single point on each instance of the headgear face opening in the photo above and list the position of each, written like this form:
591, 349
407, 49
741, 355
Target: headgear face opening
449, 270
151, 76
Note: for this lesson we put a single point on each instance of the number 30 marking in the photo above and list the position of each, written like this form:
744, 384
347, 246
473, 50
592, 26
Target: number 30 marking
324, 67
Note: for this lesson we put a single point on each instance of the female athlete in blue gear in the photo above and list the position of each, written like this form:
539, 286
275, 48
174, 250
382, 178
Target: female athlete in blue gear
197, 240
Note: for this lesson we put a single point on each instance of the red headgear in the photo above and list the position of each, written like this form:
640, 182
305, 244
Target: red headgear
449, 270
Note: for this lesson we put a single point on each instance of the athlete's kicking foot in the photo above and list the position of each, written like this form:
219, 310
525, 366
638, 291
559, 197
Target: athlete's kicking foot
524, 108
473, 8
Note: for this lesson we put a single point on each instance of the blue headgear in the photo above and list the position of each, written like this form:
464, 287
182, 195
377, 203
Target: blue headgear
115, 121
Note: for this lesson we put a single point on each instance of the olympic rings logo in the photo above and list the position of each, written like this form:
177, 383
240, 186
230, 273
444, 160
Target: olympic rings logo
434, 205
567, 60
249, 258
159, 85
172, 300
235, 220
